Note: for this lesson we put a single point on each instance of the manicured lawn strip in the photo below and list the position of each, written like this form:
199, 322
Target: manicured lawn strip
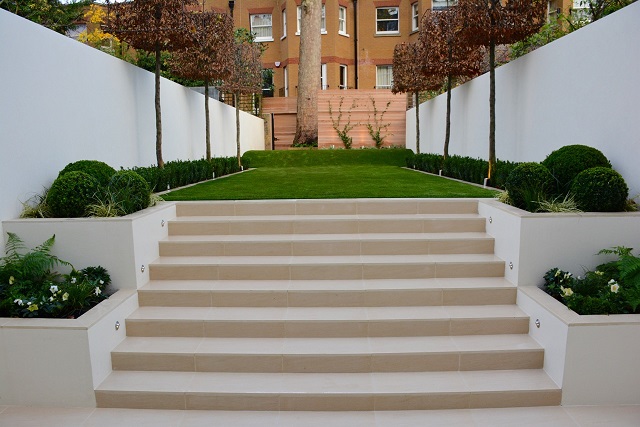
300, 158
328, 182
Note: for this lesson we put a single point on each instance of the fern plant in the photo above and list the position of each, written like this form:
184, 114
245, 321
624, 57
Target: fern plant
32, 266
628, 269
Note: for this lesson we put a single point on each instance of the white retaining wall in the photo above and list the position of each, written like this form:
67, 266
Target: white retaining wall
580, 89
62, 101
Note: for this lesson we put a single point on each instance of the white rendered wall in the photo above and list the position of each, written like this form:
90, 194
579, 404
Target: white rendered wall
62, 101
580, 89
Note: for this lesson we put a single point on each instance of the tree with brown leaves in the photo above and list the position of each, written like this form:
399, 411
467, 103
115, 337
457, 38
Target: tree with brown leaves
153, 25
209, 59
308, 73
412, 75
490, 23
447, 54
245, 78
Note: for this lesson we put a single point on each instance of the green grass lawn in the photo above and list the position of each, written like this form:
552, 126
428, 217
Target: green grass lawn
300, 158
328, 182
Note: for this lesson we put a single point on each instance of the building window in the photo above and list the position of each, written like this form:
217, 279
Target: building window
267, 83
384, 77
284, 24
261, 27
286, 81
415, 17
443, 4
323, 77
342, 20
387, 20
323, 22
343, 77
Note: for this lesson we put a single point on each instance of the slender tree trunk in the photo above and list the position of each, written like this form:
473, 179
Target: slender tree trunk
447, 134
237, 103
158, 113
492, 109
417, 122
309, 73
206, 119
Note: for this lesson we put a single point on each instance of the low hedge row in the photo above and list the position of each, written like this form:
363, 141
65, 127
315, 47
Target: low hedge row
463, 168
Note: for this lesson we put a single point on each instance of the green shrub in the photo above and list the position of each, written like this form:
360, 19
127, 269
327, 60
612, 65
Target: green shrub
600, 190
71, 193
130, 190
567, 162
527, 184
97, 169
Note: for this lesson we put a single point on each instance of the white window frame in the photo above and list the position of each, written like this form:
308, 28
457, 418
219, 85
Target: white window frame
443, 4
379, 75
286, 81
415, 17
323, 77
261, 38
342, 21
284, 24
343, 77
323, 22
397, 20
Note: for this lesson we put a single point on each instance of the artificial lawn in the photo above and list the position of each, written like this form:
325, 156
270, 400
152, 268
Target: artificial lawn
341, 181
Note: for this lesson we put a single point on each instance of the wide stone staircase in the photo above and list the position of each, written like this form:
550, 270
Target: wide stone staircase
341, 305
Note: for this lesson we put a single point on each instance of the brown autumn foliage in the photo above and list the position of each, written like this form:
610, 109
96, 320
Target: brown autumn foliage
448, 54
412, 75
493, 22
245, 78
153, 25
209, 59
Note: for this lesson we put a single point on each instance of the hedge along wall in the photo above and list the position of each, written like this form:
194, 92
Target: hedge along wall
63, 101
580, 89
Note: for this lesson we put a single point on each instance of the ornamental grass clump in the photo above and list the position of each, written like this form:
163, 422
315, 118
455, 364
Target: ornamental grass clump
31, 286
612, 288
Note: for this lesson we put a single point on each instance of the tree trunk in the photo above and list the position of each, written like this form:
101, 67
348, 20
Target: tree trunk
309, 74
417, 122
236, 101
447, 134
158, 113
206, 119
492, 109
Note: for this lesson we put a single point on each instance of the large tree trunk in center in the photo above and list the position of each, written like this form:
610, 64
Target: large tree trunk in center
309, 73
158, 114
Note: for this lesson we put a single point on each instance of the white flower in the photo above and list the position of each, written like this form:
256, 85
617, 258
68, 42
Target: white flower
11, 280
102, 282
65, 296
73, 280
18, 301
599, 273
566, 292
567, 275
53, 289
51, 299
97, 291
612, 282
557, 273
615, 287
579, 278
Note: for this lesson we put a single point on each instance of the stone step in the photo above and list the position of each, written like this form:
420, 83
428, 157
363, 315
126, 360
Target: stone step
327, 293
326, 224
395, 354
328, 207
328, 244
375, 391
326, 322
326, 267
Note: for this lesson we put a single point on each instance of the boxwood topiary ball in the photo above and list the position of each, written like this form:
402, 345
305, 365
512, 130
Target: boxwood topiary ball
567, 162
131, 191
527, 184
71, 193
97, 169
600, 190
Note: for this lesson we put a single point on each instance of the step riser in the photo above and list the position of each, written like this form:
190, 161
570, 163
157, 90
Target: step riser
328, 248
370, 298
324, 402
416, 362
326, 272
351, 226
334, 207
325, 328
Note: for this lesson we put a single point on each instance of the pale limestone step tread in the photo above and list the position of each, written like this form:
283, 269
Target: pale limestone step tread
340, 384
324, 260
323, 314
326, 285
327, 346
384, 237
326, 218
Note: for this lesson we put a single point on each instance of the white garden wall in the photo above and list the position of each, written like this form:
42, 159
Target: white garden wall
63, 101
580, 89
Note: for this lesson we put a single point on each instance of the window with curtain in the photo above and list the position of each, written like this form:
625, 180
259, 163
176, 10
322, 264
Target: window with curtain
261, 27
384, 77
